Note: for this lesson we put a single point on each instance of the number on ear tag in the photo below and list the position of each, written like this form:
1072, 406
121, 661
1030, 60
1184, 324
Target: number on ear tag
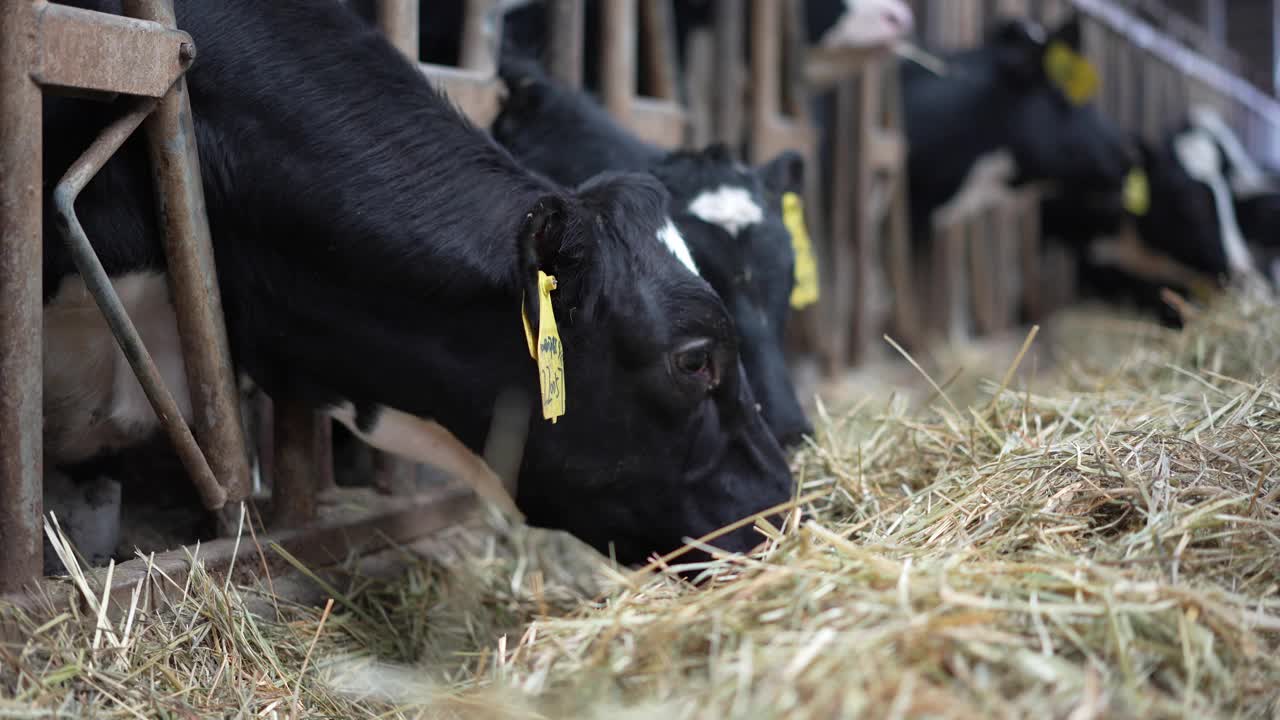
805, 291
1074, 75
1137, 193
547, 350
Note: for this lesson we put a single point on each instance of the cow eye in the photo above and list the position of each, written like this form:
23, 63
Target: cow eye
694, 362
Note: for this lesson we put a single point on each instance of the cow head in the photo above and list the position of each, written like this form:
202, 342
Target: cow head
729, 214
1182, 221
662, 438
1053, 130
731, 217
857, 23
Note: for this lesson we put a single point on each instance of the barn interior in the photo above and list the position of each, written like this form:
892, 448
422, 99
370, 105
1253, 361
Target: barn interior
1044, 472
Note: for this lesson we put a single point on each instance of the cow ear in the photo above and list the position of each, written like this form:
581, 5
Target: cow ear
1018, 47
784, 173
718, 152
1069, 33
541, 235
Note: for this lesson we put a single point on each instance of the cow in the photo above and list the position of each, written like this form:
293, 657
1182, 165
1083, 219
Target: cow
1129, 254
1255, 191
729, 214
385, 262
1201, 222
993, 119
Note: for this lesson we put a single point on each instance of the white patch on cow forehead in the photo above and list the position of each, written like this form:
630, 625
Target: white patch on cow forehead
669, 236
729, 207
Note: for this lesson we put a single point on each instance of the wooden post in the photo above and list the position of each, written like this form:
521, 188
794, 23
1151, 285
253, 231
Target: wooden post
565, 21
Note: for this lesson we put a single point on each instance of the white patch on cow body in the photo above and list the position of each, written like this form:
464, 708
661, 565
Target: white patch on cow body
92, 401
870, 23
986, 184
671, 238
1247, 179
1198, 154
729, 207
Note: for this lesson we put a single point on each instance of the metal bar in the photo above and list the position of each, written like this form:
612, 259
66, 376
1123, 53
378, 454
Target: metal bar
1187, 62
21, 257
618, 60
193, 276
295, 463
399, 22
87, 50
95, 278
565, 23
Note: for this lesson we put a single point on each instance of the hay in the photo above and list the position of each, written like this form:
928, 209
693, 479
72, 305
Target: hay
1099, 541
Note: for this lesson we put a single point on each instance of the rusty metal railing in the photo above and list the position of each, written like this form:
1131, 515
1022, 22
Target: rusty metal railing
57, 48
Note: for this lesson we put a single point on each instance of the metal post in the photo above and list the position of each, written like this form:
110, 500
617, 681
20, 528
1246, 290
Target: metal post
193, 278
399, 22
565, 22
20, 301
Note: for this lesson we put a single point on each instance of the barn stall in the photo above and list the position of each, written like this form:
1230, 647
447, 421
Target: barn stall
1077, 518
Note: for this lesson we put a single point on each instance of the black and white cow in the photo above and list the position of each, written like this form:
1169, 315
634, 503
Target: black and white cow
730, 215
374, 252
1129, 255
1203, 219
1255, 192
993, 119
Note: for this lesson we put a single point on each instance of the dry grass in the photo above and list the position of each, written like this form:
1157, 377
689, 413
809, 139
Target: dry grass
1101, 542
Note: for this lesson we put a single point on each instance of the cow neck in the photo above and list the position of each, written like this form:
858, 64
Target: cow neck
370, 171
943, 149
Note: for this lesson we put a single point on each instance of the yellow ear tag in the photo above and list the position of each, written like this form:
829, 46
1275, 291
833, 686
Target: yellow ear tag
1074, 75
548, 352
1137, 193
805, 291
